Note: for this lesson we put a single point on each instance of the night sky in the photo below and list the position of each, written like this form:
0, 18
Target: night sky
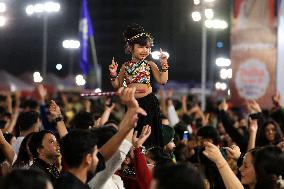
169, 21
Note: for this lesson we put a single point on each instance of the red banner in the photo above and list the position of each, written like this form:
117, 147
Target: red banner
253, 52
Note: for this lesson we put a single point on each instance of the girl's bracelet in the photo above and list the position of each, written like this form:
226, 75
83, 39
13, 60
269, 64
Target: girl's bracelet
164, 69
113, 78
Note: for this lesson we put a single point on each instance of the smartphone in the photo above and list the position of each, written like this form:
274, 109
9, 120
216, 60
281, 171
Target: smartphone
185, 135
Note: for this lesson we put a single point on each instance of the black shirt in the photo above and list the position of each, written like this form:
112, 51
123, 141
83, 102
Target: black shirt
50, 171
68, 180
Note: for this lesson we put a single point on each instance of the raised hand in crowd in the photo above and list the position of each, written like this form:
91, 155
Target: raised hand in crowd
223, 106
139, 141
41, 93
253, 107
253, 126
229, 178
276, 100
6, 149
281, 145
233, 151
57, 117
127, 124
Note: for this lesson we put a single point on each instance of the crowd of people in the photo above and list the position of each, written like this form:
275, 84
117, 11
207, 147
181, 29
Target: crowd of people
135, 140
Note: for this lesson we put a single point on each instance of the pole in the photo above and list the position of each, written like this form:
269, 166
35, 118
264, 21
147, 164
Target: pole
95, 62
70, 70
203, 62
44, 44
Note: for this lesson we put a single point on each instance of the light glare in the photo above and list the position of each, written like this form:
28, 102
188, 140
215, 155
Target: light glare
2, 21
58, 66
156, 54
223, 62
80, 81
196, 16
2, 7
71, 44
216, 24
209, 13
196, 2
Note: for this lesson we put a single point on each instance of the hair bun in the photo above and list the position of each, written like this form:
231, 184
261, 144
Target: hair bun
132, 30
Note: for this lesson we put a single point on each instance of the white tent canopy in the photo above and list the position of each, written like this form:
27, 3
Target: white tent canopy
11, 83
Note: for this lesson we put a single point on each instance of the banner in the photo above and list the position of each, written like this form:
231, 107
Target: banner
253, 52
280, 65
86, 31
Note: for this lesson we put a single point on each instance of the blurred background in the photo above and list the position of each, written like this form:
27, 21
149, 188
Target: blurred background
197, 34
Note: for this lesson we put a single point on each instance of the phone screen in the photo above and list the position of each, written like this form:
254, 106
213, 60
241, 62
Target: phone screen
185, 135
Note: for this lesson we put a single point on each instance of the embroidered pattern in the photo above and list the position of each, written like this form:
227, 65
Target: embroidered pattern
137, 72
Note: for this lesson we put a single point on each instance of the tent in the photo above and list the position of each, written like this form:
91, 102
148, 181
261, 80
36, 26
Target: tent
11, 83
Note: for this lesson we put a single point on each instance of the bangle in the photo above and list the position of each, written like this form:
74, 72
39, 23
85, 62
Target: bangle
113, 78
164, 70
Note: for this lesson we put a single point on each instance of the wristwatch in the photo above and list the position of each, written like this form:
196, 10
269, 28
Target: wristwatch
59, 118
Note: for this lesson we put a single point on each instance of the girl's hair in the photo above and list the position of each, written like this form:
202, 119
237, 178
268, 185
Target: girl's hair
261, 138
268, 165
23, 155
135, 34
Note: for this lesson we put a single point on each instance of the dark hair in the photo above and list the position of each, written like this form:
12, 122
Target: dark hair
103, 134
83, 120
30, 104
36, 142
135, 34
23, 155
209, 132
158, 155
75, 145
26, 120
21, 178
268, 165
261, 138
183, 175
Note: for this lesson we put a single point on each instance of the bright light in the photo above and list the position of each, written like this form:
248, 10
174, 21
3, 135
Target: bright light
196, 16
51, 6
156, 54
196, 2
80, 80
226, 73
71, 44
223, 62
30, 10
58, 66
2, 21
40, 8
209, 13
220, 86
2, 7
216, 24
37, 77
98, 90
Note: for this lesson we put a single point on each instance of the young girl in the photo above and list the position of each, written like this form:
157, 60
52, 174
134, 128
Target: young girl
136, 73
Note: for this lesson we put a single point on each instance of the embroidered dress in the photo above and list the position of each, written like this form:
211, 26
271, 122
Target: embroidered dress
139, 72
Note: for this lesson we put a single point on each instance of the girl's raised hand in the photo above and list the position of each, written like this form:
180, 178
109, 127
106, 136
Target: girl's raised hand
163, 60
113, 67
